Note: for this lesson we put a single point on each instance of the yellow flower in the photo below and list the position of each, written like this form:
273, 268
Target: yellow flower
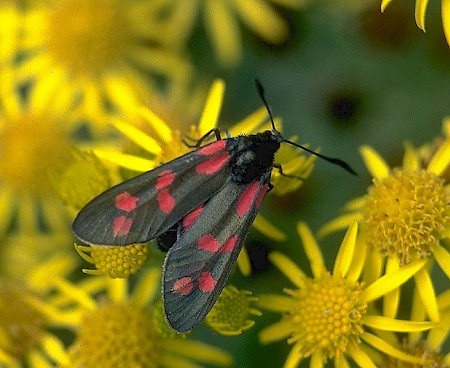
330, 315
420, 12
405, 215
416, 344
34, 142
10, 20
84, 53
221, 23
24, 322
230, 315
118, 329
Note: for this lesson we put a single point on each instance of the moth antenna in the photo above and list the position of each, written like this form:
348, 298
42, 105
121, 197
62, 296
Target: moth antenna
261, 93
334, 161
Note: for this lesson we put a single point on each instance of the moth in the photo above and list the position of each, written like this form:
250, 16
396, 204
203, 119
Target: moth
200, 207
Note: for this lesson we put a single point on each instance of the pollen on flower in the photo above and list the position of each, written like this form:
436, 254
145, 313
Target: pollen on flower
406, 214
131, 341
230, 314
22, 326
328, 316
115, 261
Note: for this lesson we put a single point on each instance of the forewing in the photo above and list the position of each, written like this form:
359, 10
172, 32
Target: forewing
197, 267
146, 206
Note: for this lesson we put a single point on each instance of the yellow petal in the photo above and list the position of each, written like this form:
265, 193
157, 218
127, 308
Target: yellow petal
392, 324
360, 357
137, 136
127, 161
243, 263
411, 159
354, 273
199, 351
345, 255
276, 303
426, 291
275, 332
339, 223
390, 281
223, 30
312, 249
294, 357
158, 124
288, 268
268, 229
211, 111
376, 165
391, 299
420, 12
263, 20
384, 347
146, 288
384, 4
445, 4
440, 160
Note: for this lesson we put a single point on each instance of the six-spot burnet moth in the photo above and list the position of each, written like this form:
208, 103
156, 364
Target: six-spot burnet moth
200, 207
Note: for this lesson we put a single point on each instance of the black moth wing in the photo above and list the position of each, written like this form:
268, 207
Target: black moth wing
147, 205
198, 265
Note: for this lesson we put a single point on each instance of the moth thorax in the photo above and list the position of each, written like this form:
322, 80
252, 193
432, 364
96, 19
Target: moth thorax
252, 163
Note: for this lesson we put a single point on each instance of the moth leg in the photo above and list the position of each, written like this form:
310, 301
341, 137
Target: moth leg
280, 170
198, 143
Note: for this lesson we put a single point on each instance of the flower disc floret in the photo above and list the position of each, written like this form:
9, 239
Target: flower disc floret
117, 335
328, 316
406, 214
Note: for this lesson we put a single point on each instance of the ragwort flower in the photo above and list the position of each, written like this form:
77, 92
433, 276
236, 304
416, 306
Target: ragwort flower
25, 319
222, 27
86, 53
405, 216
429, 346
330, 316
119, 330
34, 141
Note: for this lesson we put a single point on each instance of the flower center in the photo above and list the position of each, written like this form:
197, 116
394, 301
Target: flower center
119, 261
117, 335
406, 214
230, 314
21, 325
327, 317
88, 36
30, 148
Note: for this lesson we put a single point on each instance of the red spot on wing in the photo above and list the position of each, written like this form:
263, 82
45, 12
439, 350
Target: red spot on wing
230, 244
183, 286
212, 148
166, 202
261, 195
246, 199
209, 243
126, 202
206, 283
213, 164
165, 178
122, 225
191, 217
